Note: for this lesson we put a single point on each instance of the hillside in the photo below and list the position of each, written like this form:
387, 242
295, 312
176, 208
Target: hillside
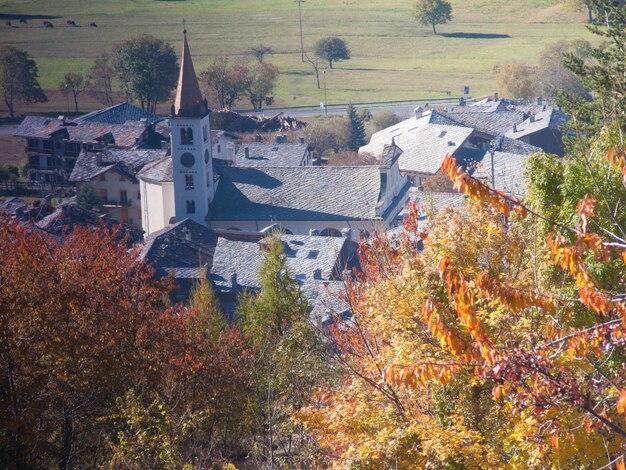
393, 58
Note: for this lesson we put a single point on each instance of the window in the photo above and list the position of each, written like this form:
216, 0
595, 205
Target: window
122, 178
205, 133
219, 148
33, 160
191, 207
183, 136
103, 177
189, 182
49, 162
123, 197
103, 194
189, 136
138, 194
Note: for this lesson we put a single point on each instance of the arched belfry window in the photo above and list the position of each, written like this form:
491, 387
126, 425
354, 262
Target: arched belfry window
188, 181
191, 207
189, 136
183, 136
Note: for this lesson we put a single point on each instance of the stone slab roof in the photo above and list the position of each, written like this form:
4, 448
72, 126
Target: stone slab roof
160, 171
550, 118
118, 114
270, 154
127, 161
181, 248
326, 301
125, 135
296, 193
304, 255
69, 215
424, 145
509, 162
492, 123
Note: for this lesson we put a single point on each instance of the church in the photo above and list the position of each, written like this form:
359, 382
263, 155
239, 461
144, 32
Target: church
189, 184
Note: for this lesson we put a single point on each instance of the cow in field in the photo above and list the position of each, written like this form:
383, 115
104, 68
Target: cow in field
48, 24
8, 23
71, 23
93, 24
23, 20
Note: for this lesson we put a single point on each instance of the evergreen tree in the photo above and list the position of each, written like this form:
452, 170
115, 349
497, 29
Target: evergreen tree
202, 299
87, 197
605, 76
289, 355
357, 129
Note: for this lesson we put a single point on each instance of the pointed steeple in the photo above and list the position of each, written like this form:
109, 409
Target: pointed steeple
189, 101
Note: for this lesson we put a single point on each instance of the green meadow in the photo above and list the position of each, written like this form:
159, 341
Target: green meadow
392, 57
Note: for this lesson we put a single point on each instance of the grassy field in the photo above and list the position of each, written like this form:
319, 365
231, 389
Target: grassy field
392, 57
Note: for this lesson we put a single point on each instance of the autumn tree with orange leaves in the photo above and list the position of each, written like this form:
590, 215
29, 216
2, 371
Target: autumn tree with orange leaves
87, 347
501, 344
495, 346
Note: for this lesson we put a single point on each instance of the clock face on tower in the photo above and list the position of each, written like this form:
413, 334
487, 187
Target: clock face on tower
187, 159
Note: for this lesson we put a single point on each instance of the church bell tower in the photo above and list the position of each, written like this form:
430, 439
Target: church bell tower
190, 139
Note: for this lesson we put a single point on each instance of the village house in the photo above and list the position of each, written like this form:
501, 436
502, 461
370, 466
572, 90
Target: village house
53, 145
425, 139
543, 129
113, 173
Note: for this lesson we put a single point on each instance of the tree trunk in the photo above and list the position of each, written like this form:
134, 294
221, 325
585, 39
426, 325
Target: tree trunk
67, 440
76, 102
590, 12
330, 64
434, 30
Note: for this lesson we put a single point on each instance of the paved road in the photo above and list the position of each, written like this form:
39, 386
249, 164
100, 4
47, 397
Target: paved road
8, 130
403, 109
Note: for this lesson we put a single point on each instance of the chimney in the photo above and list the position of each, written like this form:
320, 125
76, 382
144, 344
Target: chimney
61, 119
98, 159
317, 274
233, 281
461, 101
246, 151
540, 100
258, 138
346, 233
496, 97
514, 127
418, 112
301, 138
314, 232
532, 118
